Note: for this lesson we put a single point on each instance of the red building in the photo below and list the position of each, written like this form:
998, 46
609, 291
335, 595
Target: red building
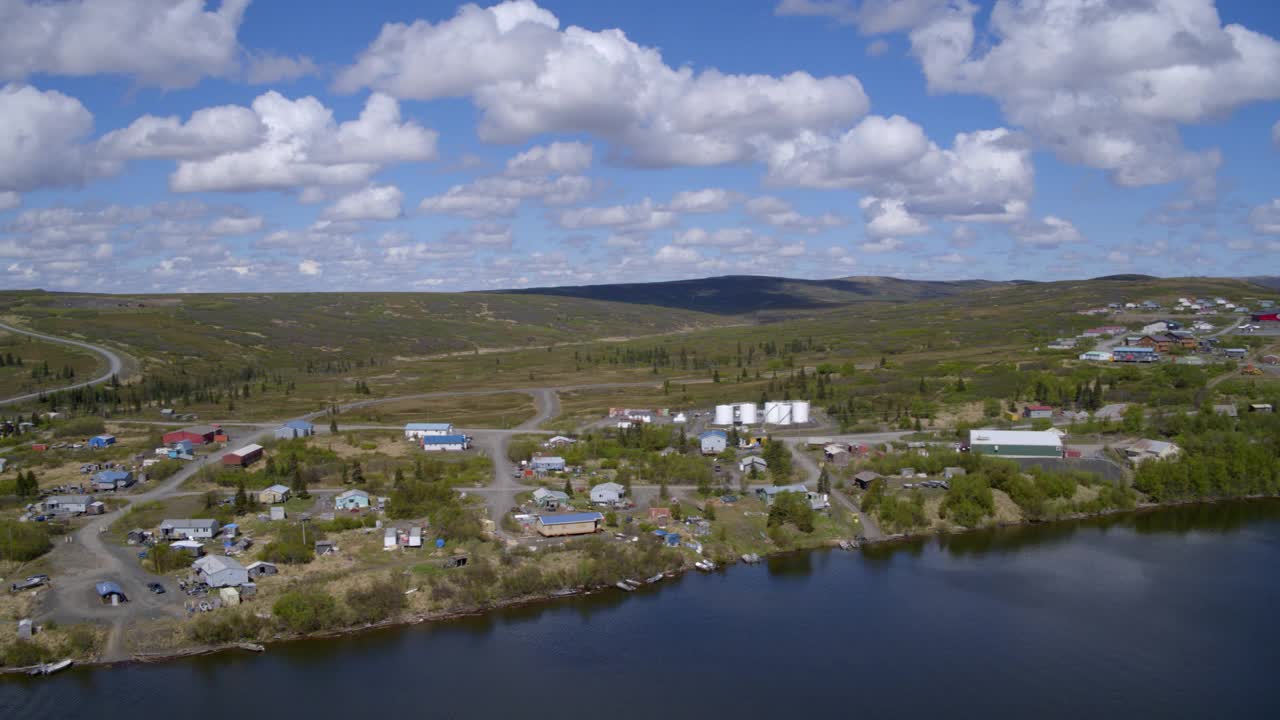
1266, 317
243, 457
196, 434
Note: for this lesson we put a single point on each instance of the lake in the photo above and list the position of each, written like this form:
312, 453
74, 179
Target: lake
1163, 614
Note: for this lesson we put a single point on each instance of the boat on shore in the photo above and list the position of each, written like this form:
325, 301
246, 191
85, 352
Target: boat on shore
705, 565
627, 585
49, 668
751, 558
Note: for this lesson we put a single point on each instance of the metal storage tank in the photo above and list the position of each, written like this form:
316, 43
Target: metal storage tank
747, 413
776, 413
800, 411
724, 415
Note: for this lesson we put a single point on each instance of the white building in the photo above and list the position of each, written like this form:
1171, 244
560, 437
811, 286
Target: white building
199, 529
218, 571
415, 431
609, 493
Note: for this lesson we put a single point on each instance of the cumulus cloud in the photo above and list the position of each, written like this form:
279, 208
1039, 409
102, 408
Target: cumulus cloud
375, 202
1104, 85
1265, 218
43, 140
9, 200
623, 218
890, 218
304, 146
558, 158
266, 68
482, 235
884, 245
309, 267
243, 225
529, 77
502, 196
1049, 232
707, 200
160, 44
208, 132
676, 255
780, 214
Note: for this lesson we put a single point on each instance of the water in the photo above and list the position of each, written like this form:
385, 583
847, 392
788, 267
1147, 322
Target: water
1167, 614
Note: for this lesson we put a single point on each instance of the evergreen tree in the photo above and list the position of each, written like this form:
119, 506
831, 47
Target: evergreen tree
242, 498
357, 473
824, 481
399, 479
333, 424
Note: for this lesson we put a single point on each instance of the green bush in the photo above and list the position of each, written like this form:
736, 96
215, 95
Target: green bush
80, 427
306, 610
378, 600
791, 507
968, 501
225, 627
21, 653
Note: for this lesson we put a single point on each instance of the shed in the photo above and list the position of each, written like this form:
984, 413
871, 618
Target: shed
243, 457
274, 494
220, 571
837, 455
277, 512
753, 462
1036, 412
1226, 410
569, 524
609, 493
229, 596
112, 480
295, 429
191, 547
199, 529
1260, 407
865, 477
110, 593
351, 500
197, 434
547, 463
102, 441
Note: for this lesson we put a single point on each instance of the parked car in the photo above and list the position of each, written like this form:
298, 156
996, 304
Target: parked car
156, 588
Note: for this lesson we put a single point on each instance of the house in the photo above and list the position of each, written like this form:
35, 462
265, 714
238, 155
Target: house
194, 548
351, 500
244, 457
1155, 328
864, 478
609, 493
549, 499
415, 537
713, 442
1226, 410
295, 429
416, 431
547, 463
110, 593
1189, 360
569, 524
753, 462
97, 507
112, 480
101, 441
952, 472
1134, 354
1260, 407
1037, 412
1236, 353
1015, 443
445, 443
559, 441
201, 529
1159, 342
1096, 356
196, 434
182, 449
1062, 344
1151, 449
837, 455
274, 494
219, 571
1271, 359
67, 504
817, 501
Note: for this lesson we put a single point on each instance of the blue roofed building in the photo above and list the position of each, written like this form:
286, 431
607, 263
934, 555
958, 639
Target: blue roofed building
112, 480
102, 441
445, 443
295, 429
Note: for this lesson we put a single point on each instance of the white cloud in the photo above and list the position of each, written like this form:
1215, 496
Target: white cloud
486, 235
1047, 233
309, 267
720, 237
558, 158
1275, 134
502, 196
675, 255
795, 249
890, 218
871, 16
468, 202
304, 146
266, 68
42, 140
1104, 85
209, 132
528, 78
9, 200
1118, 257
707, 200
986, 176
624, 218
881, 246
1265, 218
168, 45
375, 202
236, 225
778, 212
953, 259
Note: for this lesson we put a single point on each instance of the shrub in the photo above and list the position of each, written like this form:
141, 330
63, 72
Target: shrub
289, 549
377, 601
80, 427
306, 610
21, 653
23, 541
794, 508
225, 627
968, 501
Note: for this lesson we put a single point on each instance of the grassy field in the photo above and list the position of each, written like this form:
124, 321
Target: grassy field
501, 411
35, 356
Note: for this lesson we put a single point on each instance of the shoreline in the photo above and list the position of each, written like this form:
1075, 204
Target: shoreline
406, 621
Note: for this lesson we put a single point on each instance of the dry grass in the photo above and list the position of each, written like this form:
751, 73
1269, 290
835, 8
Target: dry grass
503, 410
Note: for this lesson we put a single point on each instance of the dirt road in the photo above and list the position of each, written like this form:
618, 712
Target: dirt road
114, 364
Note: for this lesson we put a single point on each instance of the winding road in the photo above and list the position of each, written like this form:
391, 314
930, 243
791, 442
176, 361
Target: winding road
114, 364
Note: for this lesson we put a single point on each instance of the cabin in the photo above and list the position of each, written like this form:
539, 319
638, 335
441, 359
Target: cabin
351, 500
108, 480
1144, 450
295, 429
219, 571
549, 499
274, 494
864, 478
67, 504
244, 457
609, 493
1037, 412
547, 463
1135, 354
753, 463
584, 523
200, 529
837, 455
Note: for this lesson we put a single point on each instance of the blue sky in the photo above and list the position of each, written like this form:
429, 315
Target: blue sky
180, 145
